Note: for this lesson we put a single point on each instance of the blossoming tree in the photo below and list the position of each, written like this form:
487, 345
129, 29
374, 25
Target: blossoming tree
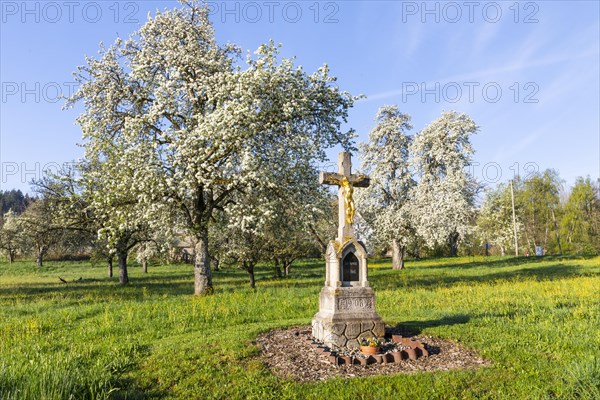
186, 124
384, 204
443, 204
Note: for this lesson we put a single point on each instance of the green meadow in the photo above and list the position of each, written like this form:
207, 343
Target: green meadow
536, 320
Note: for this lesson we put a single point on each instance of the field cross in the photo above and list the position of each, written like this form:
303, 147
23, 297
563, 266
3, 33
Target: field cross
346, 182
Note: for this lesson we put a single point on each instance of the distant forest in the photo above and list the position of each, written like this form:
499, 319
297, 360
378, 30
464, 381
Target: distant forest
14, 200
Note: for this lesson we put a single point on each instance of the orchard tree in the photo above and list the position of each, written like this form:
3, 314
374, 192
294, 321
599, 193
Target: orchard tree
38, 225
78, 196
539, 200
443, 202
385, 203
273, 224
12, 240
191, 129
300, 203
115, 212
580, 223
65, 192
248, 214
155, 245
322, 229
495, 219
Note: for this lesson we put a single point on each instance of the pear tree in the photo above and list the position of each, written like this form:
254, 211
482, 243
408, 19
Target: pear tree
385, 203
186, 124
495, 219
443, 200
12, 240
580, 224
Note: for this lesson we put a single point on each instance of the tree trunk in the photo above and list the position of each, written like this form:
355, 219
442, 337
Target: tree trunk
528, 243
11, 256
397, 255
570, 236
202, 272
453, 241
215, 263
417, 254
145, 266
39, 258
286, 268
122, 258
249, 267
322, 244
278, 273
109, 263
557, 234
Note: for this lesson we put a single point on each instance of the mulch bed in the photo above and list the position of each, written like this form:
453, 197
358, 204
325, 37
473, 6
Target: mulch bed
288, 354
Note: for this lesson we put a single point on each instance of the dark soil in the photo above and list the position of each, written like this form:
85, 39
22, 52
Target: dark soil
290, 355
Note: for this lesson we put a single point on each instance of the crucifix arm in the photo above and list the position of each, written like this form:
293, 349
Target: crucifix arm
360, 181
332, 178
329, 178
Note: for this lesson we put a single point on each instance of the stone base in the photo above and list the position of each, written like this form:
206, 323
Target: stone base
347, 314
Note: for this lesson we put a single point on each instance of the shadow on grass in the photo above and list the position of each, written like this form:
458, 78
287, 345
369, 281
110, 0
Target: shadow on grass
493, 262
104, 289
411, 328
307, 274
539, 273
176, 283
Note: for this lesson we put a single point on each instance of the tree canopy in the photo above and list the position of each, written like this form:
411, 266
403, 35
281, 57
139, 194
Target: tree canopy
180, 126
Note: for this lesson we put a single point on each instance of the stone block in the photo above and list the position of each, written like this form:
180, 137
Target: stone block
413, 344
397, 356
379, 329
353, 329
360, 361
397, 338
367, 326
412, 354
388, 358
352, 344
371, 360
338, 328
336, 341
346, 360
378, 358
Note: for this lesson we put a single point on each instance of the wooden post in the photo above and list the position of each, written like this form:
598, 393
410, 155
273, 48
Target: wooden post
512, 197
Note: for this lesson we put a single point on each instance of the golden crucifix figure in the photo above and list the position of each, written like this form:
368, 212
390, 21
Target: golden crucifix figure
348, 200
346, 182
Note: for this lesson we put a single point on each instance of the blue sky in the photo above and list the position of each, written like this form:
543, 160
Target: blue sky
528, 73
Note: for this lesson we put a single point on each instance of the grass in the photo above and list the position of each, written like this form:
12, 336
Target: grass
537, 320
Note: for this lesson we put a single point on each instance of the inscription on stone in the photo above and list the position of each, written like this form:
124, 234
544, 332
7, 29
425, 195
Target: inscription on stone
355, 303
350, 268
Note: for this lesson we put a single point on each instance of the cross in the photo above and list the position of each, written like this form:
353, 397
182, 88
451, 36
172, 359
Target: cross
346, 182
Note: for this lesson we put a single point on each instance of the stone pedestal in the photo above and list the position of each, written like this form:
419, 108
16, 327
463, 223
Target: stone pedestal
346, 307
347, 314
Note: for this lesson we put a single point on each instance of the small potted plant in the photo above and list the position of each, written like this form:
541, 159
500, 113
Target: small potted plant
370, 345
